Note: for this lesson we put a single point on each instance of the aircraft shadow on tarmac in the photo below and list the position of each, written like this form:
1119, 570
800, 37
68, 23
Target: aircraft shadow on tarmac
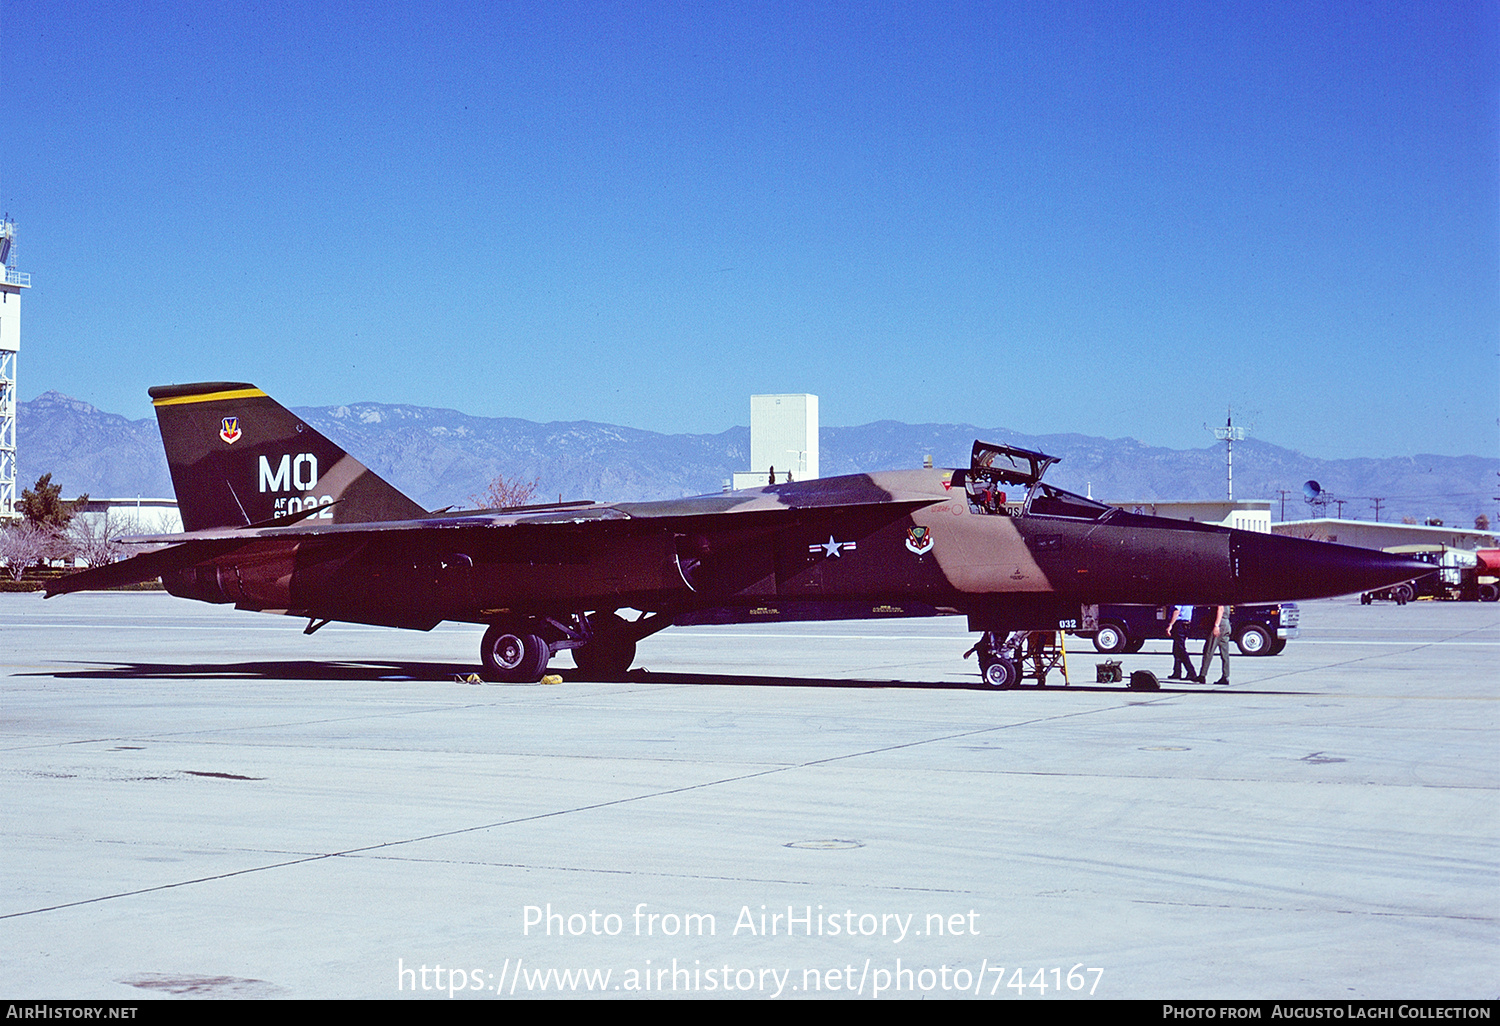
1055, 688
280, 670
445, 673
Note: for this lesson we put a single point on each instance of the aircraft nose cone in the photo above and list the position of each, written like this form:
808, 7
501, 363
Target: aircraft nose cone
1272, 568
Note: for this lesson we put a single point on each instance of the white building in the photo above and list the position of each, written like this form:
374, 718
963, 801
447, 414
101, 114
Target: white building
1367, 534
1241, 514
132, 516
783, 439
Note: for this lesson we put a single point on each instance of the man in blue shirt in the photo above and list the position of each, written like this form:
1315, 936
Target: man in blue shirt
1177, 627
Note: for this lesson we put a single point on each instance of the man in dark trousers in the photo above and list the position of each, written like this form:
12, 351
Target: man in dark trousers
1218, 638
1177, 628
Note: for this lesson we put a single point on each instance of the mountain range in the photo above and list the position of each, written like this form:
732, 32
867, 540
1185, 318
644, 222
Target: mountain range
443, 458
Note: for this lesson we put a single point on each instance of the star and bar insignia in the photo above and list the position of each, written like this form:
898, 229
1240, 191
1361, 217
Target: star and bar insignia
831, 547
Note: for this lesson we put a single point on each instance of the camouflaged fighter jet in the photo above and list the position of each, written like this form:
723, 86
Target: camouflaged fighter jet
278, 518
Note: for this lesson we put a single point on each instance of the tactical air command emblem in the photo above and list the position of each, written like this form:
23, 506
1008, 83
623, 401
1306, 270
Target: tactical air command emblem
230, 432
919, 540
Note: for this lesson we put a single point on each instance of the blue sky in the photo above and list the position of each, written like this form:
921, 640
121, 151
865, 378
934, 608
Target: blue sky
1114, 219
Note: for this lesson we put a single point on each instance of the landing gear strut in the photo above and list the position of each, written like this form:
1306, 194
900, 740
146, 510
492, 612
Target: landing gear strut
516, 650
1006, 657
997, 666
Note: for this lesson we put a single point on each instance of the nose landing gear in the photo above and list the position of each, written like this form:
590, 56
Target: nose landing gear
1004, 660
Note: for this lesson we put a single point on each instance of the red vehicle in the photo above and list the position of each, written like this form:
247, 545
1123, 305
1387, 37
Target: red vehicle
1489, 574
1457, 574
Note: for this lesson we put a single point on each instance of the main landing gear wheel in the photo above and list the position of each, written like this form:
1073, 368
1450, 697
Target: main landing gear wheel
609, 653
511, 655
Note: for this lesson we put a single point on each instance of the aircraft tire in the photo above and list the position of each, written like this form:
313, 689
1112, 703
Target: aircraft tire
999, 673
1254, 640
1111, 638
607, 657
1404, 593
511, 655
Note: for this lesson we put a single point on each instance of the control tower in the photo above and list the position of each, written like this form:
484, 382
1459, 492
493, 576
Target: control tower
10, 343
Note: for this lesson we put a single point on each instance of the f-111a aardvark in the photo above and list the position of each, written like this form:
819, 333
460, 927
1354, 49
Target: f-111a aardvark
278, 518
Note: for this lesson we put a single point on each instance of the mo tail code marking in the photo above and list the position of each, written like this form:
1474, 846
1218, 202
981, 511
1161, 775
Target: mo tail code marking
294, 474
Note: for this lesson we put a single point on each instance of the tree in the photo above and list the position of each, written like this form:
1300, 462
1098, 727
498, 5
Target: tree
503, 494
1481, 523
43, 507
93, 536
23, 544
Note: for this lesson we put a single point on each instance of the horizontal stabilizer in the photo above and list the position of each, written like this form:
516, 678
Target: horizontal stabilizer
138, 569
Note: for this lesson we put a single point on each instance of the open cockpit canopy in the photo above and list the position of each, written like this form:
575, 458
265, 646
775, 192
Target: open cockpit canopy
995, 468
1007, 464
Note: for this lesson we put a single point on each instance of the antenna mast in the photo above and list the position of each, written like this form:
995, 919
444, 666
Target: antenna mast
1228, 433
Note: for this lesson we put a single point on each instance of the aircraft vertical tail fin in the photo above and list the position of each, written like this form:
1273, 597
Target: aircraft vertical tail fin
238, 457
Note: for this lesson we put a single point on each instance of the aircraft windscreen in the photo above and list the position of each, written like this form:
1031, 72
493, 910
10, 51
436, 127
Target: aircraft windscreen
1047, 501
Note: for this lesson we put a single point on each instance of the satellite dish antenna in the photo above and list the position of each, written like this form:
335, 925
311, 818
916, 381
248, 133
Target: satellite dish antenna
1316, 498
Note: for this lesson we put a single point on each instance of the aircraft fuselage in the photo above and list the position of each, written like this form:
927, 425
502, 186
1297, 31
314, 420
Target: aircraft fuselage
945, 556
280, 518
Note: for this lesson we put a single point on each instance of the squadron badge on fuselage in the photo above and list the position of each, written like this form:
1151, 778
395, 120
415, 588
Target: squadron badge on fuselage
230, 432
919, 540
